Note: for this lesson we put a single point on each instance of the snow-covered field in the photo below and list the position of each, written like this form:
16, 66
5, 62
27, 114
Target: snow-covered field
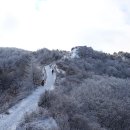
28, 105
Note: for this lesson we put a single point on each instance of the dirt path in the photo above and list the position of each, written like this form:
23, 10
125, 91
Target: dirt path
29, 104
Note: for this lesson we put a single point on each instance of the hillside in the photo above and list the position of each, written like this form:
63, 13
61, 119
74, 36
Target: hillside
92, 91
92, 88
27, 105
18, 74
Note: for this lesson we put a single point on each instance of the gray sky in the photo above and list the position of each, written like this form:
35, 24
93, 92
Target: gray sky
62, 24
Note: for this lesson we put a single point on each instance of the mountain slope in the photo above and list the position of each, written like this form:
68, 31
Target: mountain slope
27, 105
92, 91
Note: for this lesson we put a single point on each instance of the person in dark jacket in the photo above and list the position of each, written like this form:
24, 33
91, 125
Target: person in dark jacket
52, 71
43, 82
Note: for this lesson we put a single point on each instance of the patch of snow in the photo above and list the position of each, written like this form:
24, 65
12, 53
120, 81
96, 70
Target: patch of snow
74, 53
124, 59
47, 124
27, 105
66, 56
59, 70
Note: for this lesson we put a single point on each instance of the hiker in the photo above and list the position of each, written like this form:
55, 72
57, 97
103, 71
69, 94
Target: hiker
52, 71
43, 82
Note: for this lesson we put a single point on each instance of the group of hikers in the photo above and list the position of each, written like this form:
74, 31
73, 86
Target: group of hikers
43, 81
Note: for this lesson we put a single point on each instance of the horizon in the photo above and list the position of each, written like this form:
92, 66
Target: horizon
66, 50
103, 25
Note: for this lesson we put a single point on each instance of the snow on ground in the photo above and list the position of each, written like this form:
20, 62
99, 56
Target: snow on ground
74, 53
60, 70
46, 124
27, 105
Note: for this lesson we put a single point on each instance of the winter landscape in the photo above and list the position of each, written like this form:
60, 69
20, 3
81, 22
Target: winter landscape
84, 89
64, 64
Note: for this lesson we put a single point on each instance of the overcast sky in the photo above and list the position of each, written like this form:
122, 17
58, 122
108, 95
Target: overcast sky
62, 24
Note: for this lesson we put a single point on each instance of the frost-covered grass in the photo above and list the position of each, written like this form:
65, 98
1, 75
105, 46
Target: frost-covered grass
19, 74
91, 94
91, 91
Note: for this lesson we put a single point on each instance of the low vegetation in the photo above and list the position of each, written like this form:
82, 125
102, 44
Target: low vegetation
92, 94
45, 56
19, 74
92, 90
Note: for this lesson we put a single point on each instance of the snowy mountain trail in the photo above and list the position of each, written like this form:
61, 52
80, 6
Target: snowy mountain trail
27, 105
